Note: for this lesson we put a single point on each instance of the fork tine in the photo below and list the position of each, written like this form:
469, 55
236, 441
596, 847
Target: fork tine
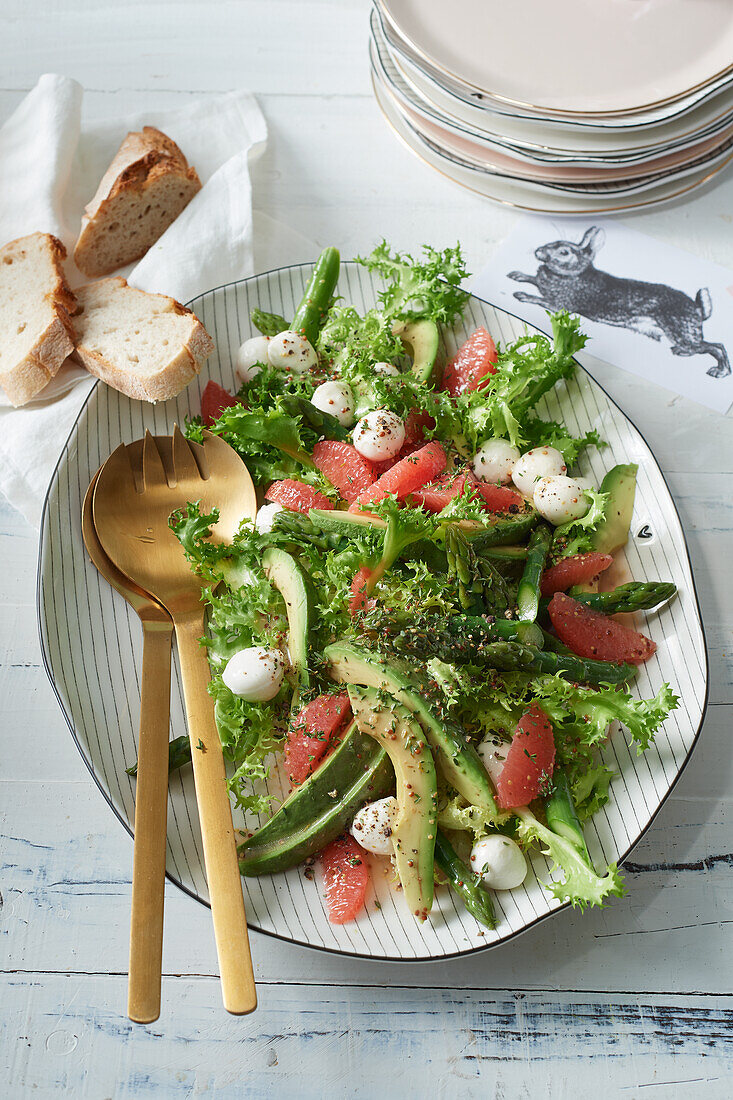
118, 466
184, 464
153, 470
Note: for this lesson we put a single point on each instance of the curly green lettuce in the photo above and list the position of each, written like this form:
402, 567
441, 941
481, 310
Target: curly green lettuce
426, 287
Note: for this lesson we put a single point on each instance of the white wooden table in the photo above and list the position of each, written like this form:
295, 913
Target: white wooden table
629, 999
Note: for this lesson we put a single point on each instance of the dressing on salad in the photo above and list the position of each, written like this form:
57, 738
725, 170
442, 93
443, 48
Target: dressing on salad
412, 628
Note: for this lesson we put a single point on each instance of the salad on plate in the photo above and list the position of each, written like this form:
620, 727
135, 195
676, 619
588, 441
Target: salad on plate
418, 630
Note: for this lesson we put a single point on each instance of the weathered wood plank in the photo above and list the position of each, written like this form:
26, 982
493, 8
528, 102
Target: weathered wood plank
173, 45
66, 1034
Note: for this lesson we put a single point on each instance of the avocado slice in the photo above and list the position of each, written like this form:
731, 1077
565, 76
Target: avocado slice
341, 523
294, 586
400, 735
319, 810
613, 531
459, 762
422, 341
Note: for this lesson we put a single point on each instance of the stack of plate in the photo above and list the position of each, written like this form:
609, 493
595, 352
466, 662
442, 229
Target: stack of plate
571, 107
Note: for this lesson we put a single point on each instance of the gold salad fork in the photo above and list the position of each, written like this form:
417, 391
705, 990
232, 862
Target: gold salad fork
131, 505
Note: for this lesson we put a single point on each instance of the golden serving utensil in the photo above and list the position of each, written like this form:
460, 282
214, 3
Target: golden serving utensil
151, 800
132, 503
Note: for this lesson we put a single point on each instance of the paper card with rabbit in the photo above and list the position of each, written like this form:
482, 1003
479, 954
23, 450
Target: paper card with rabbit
647, 306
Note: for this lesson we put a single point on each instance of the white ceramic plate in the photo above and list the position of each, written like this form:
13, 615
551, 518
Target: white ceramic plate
561, 179
523, 194
571, 56
478, 152
546, 144
596, 127
91, 647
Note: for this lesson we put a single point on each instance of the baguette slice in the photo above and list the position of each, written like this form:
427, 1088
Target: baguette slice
144, 189
36, 334
147, 346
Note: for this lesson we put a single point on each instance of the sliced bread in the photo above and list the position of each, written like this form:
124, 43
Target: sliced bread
147, 346
142, 192
35, 303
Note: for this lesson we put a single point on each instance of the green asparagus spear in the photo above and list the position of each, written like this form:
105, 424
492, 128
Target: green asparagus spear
480, 585
463, 641
464, 882
317, 298
562, 816
459, 636
635, 596
505, 554
269, 324
179, 754
528, 593
513, 657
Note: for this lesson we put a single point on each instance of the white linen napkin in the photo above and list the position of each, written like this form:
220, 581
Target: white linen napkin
49, 169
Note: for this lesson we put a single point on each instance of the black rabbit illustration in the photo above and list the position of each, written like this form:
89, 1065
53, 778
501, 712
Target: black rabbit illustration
567, 279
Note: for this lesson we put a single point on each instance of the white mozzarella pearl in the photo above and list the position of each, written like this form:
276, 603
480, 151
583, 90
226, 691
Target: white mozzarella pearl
379, 435
337, 399
373, 825
254, 674
560, 499
500, 862
250, 356
386, 368
537, 463
265, 517
292, 351
492, 751
495, 461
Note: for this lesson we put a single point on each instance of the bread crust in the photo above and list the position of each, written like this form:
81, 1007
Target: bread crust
168, 382
143, 160
55, 344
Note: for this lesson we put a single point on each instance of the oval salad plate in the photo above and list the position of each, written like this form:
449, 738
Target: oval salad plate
91, 645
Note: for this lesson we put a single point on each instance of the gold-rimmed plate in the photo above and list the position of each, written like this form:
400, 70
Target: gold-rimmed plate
586, 59
523, 195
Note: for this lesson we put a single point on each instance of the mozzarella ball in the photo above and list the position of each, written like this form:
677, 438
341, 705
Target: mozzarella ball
386, 368
372, 827
250, 356
265, 517
560, 499
254, 674
492, 751
495, 461
379, 435
500, 862
292, 351
337, 399
537, 463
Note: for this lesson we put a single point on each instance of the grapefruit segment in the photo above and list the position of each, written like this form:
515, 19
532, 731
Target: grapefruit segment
591, 634
359, 600
578, 569
214, 400
345, 879
473, 361
407, 475
344, 467
529, 763
311, 733
296, 496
